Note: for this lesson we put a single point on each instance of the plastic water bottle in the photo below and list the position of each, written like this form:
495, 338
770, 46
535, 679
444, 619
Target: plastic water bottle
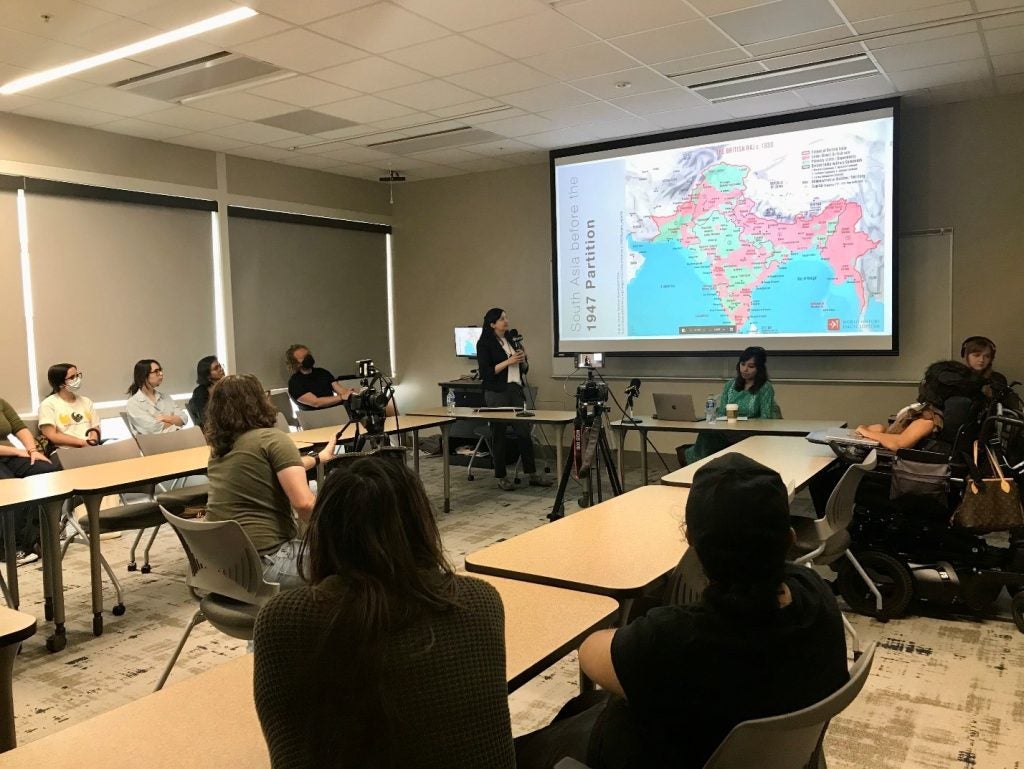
710, 409
450, 402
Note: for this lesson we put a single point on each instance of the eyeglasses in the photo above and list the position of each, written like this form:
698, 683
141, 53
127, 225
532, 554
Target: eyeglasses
157, 371
76, 377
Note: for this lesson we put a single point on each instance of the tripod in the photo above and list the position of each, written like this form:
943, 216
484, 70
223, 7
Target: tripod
590, 446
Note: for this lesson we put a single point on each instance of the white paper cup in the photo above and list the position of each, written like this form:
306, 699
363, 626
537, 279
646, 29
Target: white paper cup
732, 411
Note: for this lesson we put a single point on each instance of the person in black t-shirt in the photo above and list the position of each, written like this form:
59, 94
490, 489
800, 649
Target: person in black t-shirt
311, 387
765, 639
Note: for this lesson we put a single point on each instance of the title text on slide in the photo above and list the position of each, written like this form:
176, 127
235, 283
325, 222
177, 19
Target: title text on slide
589, 256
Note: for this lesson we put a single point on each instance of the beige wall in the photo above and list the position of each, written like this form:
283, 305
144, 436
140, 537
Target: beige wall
258, 178
468, 243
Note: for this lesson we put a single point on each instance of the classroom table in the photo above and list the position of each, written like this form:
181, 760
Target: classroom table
616, 548
15, 627
209, 720
797, 460
796, 427
465, 413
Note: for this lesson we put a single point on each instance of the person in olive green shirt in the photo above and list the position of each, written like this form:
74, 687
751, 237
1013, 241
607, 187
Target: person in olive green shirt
21, 463
257, 476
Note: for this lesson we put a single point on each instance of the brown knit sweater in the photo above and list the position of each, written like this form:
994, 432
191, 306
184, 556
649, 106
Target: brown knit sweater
444, 676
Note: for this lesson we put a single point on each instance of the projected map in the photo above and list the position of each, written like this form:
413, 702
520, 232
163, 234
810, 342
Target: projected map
780, 234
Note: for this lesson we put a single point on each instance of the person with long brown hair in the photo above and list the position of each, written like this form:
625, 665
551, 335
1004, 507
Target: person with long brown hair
387, 658
257, 476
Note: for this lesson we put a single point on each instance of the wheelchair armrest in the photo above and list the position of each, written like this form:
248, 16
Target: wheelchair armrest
918, 455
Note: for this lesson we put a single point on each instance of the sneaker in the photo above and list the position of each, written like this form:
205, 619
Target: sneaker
506, 485
24, 558
540, 480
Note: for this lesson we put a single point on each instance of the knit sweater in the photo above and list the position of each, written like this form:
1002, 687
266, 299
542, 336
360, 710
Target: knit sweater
444, 676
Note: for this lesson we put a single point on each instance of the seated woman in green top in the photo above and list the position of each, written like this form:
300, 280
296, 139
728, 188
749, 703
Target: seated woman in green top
20, 463
750, 390
388, 658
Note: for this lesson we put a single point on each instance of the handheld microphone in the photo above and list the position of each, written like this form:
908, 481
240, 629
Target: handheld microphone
517, 339
633, 391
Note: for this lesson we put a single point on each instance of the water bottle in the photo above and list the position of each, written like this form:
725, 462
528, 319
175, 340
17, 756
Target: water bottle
450, 402
710, 409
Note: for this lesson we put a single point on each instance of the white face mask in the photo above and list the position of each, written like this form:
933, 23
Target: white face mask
75, 383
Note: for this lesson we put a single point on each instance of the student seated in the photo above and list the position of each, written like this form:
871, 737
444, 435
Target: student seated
765, 639
309, 386
67, 418
149, 410
257, 476
750, 390
20, 463
979, 353
388, 658
209, 371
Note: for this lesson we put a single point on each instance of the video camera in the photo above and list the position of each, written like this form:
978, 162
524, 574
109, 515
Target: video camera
591, 392
369, 406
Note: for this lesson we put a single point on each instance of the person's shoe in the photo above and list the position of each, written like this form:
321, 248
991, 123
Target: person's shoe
25, 558
539, 480
506, 485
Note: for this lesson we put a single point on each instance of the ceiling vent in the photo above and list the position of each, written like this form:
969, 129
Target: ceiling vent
832, 71
211, 75
452, 137
307, 121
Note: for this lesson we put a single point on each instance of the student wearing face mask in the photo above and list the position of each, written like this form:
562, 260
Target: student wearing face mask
311, 387
67, 418
149, 410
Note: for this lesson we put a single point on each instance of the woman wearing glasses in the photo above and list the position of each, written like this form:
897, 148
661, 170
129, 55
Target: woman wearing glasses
149, 410
65, 417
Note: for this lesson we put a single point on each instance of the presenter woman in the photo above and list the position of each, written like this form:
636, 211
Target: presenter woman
502, 367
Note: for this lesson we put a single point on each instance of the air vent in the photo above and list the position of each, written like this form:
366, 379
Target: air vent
207, 76
453, 137
832, 71
307, 121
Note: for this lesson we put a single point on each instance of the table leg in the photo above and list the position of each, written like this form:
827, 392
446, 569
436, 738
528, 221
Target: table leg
643, 458
620, 434
53, 574
447, 468
11, 554
8, 738
559, 453
92, 508
416, 451
586, 683
625, 605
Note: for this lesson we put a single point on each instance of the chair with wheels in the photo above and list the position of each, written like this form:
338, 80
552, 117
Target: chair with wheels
285, 407
336, 416
225, 576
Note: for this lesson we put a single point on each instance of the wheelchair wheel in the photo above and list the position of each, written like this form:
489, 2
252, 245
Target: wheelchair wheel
892, 578
1017, 607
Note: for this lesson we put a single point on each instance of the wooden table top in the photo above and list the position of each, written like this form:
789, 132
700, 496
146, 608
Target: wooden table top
615, 548
35, 488
15, 626
111, 476
795, 459
391, 425
541, 416
760, 426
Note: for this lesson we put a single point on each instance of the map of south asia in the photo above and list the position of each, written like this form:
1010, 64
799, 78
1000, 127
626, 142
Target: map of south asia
715, 262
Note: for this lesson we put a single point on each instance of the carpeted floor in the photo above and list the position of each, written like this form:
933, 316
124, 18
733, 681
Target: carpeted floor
944, 692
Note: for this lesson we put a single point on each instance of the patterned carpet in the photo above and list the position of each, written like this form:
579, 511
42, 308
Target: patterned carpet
944, 693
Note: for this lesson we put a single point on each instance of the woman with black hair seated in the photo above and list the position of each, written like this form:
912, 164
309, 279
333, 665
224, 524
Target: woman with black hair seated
766, 639
209, 371
388, 658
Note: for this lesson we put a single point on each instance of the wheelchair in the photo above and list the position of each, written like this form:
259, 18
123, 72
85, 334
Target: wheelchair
908, 547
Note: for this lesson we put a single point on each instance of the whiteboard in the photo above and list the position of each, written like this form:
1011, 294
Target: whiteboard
925, 332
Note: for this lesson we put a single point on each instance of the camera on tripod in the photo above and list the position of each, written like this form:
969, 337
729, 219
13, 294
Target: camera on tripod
369, 406
591, 392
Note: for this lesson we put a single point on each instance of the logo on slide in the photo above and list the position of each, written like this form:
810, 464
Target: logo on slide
834, 324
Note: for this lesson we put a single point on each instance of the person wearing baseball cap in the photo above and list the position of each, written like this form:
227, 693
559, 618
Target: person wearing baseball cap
765, 639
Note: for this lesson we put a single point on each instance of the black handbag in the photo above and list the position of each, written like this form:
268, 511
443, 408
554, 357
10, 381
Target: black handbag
989, 504
920, 479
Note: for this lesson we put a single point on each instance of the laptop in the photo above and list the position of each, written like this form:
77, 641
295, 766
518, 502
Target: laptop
840, 435
675, 408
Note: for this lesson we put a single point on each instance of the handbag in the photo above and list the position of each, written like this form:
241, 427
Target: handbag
920, 479
991, 504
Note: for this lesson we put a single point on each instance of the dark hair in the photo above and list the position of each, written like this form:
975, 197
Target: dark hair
57, 374
737, 519
947, 379
491, 316
760, 360
289, 356
141, 374
237, 405
372, 524
203, 369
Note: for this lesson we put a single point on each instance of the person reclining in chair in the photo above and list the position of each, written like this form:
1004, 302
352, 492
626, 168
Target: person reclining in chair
765, 639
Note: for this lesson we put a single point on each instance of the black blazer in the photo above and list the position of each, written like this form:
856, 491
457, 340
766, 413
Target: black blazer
489, 353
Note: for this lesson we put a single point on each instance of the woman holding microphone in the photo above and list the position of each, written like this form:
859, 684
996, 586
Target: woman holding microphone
502, 367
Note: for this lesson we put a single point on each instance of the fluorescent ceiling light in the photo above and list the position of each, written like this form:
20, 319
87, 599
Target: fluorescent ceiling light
774, 81
127, 51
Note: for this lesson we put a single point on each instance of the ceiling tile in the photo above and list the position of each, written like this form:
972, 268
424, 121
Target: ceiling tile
300, 50
243, 106
66, 113
563, 137
115, 33
429, 95
473, 106
371, 75
207, 142
483, 164
520, 126
847, 91
349, 154
813, 57
719, 73
36, 53
770, 104
714, 7
414, 120
707, 61
947, 94
365, 109
1010, 83
610, 86
581, 61
143, 129
614, 129
547, 97
995, 5
1008, 63
784, 18
610, 18
501, 148
115, 72
500, 79
303, 91
1006, 40
684, 118
1014, 19
255, 133
691, 38
785, 44
114, 101
305, 11
856, 10
171, 15
123, 7
446, 156
176, 53
262, 152
447, 56
940, 75
566, 117
918, 16
934, 33
68, 19
459, 15
660, 101
532, 35
190, 119
245, 30
380, 27
13, 101
52, 90
928, 53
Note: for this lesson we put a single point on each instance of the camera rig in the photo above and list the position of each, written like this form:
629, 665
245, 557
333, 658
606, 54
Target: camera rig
367, 409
